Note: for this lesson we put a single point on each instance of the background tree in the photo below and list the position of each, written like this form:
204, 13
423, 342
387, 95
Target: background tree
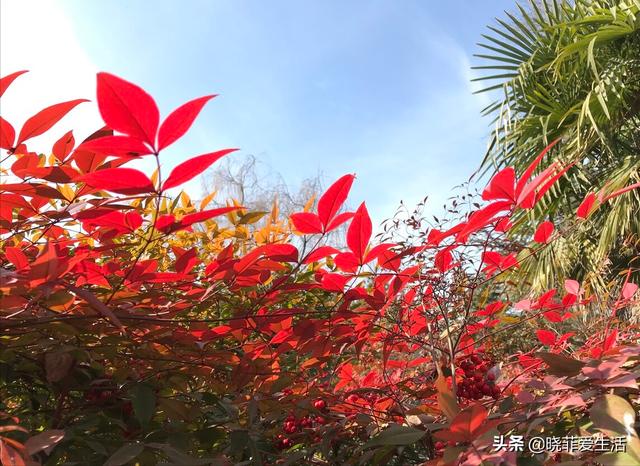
571, 70
256, 186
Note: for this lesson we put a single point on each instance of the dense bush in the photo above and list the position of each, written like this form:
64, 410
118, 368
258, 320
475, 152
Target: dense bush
139, 328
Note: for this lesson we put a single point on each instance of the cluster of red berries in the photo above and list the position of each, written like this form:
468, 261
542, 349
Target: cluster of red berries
293, 425
476, 381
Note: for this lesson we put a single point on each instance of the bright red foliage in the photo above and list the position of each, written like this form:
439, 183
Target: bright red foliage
133, 335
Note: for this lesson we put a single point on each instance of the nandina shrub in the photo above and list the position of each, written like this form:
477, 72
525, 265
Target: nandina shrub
137, 328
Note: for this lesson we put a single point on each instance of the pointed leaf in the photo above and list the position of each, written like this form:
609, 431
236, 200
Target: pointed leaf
127, 108
63, 146
338, 220
531, 168
320, 253
124, 454
501, 186
179, 121
622, 191
446, 399
119, 180
190, 219
561, 365
6, 81
546, 337
544, 232
193, 167
586, 207
359, 232
7, 134
143, 400
306, 223
45, 119
468, 421
333, 198
43, 441
120, 146
396, 435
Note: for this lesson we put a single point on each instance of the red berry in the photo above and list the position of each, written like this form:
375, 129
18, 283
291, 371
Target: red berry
320, 420
439, 445
320, 404
452, 443
495, 390
486, 389
491, 376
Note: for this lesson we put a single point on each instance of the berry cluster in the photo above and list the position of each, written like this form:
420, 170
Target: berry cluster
476, 381
293, 425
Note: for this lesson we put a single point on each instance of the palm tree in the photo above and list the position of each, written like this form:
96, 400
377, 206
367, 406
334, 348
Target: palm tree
571, 70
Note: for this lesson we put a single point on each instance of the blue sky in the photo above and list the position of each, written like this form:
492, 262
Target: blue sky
379, 88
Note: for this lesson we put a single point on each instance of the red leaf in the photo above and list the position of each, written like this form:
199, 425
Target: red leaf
6, 81
45, 119
16, 257
378, 250
628, 290
346, 261
320, 253
334, 282
610, 341
306, 223
205, 215
359, 232
179, 121
7, 134
622, 191
338, 220
164, 222
527, 196
119, 180
63, 146
586, 207
120, 146
501, 186
280, 252
549, 183
544, 232
546, 337
477, 220
333, 198
443, 260
281, 336
193, 167
468, 422
531, 168
572, 287
127, 108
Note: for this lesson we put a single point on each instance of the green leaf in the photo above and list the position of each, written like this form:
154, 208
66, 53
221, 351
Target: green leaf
616, 459
179, 457
396, 435
251, 217
561, 365
612, 415
143, 400
125, 454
